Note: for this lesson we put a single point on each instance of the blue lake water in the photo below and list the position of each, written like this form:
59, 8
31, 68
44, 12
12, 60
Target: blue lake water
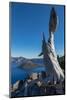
21, 74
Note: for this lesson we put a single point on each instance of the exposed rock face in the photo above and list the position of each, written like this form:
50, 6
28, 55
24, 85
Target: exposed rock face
17, 85
34, 76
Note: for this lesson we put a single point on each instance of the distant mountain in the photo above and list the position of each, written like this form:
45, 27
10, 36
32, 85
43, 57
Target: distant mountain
18, 60
22, 62
31, 63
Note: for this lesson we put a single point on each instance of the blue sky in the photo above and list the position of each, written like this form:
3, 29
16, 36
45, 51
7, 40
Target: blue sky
27, 22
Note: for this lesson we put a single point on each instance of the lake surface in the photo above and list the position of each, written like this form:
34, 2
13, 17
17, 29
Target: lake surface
21, 74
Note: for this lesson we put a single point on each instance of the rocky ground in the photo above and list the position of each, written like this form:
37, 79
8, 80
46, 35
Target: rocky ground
36, 88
